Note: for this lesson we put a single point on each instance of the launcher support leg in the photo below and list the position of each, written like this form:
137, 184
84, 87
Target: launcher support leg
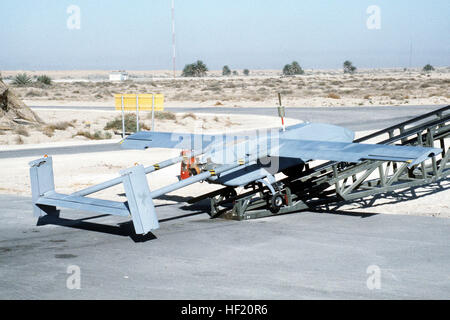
140, 202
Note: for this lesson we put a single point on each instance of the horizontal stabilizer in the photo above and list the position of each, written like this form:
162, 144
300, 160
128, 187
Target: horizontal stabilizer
84, 203
170, 140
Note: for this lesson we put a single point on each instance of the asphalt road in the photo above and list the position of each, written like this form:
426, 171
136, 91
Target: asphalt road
354, 118
296, 256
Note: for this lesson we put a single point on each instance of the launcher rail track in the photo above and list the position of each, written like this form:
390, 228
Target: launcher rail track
338, 182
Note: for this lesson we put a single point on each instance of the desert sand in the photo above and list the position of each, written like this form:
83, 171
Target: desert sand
74, 125
260, 88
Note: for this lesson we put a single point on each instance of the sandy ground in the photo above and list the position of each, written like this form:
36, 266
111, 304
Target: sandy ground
73, 125
314, 88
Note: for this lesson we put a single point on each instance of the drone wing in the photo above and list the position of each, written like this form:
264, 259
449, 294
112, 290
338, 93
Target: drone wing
189, 141
170, 140
352, 152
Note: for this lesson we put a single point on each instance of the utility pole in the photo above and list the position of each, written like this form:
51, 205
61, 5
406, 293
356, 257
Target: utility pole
173, 38
410, 54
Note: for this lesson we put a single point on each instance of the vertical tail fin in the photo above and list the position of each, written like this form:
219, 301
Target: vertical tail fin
140, 202
42, 181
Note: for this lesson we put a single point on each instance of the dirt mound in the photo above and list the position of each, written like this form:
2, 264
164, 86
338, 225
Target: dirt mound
13, 111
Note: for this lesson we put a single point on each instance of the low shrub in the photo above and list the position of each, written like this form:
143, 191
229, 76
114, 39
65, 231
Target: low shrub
189, 115
49, 130
22, 79
18, 140
333, 96
163, 115
21, 131
44, 79
130, 123
97, 135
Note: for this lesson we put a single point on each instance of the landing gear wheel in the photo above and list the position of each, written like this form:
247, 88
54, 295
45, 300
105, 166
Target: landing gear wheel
276, 203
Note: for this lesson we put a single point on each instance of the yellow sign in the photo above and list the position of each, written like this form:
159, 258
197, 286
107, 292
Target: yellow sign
145, 102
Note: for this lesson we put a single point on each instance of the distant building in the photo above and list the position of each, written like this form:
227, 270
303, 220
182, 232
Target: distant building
118, 76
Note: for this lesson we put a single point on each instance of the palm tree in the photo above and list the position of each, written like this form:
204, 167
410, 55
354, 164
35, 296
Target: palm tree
197, 69
349, 67
428, 68
292, 69
226, 71
200, 69
22, 79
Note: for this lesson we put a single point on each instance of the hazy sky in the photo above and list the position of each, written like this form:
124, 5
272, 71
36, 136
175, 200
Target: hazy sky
254, 34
